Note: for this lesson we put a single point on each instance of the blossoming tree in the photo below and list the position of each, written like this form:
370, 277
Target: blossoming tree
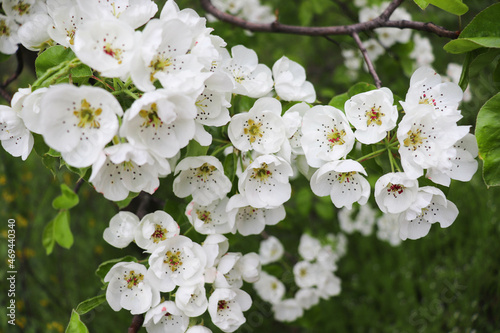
134, 97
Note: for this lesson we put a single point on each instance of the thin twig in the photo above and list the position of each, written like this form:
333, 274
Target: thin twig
369, 63
379, 22
136, 324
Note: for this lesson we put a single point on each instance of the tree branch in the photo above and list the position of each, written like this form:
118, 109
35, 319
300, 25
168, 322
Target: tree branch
379, 22
368, 61
136, 324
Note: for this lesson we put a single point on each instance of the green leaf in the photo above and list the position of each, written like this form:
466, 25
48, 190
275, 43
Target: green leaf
306, 12
339, 101
230, 164
125, 202
496, 76
75, 324
359, 88
90, 304
488, 140
62, 232
482, 31
4, 57
48, 238
195, 149
52, 57
68, 199
81, 74
451, 6
104, 267
421, 3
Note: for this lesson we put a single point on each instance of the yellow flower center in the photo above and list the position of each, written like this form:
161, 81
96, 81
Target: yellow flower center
426, 100
22, 8
252, 129
346, 176
173, 260
133, 279
87, 115
204, 216
115, 53
4, 29
373, 116
262, 173
151, 117
414, 139
159, 234
205, 171
158, 64
336, 137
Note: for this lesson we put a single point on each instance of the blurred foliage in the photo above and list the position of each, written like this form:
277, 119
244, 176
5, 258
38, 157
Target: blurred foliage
446, 282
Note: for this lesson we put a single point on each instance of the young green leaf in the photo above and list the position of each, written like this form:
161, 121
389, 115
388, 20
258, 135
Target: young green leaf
90, 304
48, 238
62, 232
422, 3
488, 140
75, 324
68, 199
451, 6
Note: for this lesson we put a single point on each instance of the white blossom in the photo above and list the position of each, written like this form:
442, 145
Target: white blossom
290, 81
166, 317
395, 192
153, 229
120, 232
287, 310
270, 250
269, 288
226, 307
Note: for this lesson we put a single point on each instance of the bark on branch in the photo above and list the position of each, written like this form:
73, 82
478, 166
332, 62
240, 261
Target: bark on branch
381, 21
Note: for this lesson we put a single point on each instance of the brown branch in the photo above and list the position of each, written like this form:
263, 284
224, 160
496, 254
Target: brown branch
136, 324
379, 22
369, 63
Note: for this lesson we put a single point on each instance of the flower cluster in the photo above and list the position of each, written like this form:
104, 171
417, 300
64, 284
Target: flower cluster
179, 266
313, 275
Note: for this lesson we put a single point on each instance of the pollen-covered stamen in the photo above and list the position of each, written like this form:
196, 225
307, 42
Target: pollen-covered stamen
133, 279
159, 234
201, 104
22, 8
346, 176
87, 115
71, 36
395, 189
151, 117
414, 139
4, 28
204, 171
159, 64
222, 305
373, 115
204, 216
168, 314
336, 137
173, 260
262, 173
252, 129
427, 100
113, 52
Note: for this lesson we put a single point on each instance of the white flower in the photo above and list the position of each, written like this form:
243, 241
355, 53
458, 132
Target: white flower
426, 87
422, 51
215, 247
454, 72
270, 250
287, 310
390, 36
250, 220
328, 256
192, 300
254, 11
198, 329
373, 48
388, 229
269, 288
372, 114
78, 121
395, 192
424, 138
34, 34
16, 139
129, 288
212, 107
306, 274
293, 122
211, 218
68, 18
163, 56
161, 121
463, 165
123, 168
226, 307
250, 267
179, 261
326, 135
106, 45
265, 183
328, 285
8, 35
133, 12
352, 59
341, 180
337, 243
22, 11
155, 228
166, 317
309, 247
361, 220
261, 128
27, 106
290, 81
120, 232
251, 78
203, 178
430, 207
228, 274
307, 297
